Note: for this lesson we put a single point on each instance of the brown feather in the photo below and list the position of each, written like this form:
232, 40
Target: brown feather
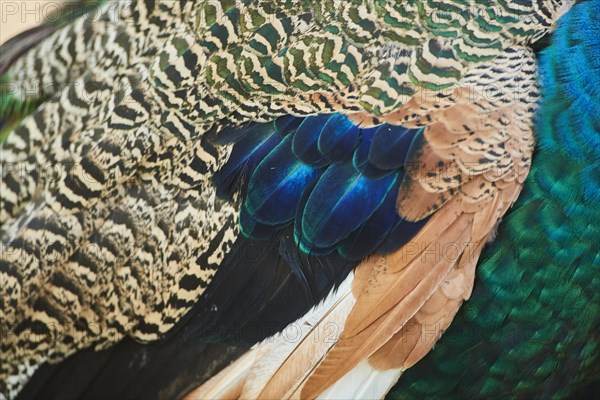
420, 333
388, 286
414, 202
467, 168
309, 353
389, 300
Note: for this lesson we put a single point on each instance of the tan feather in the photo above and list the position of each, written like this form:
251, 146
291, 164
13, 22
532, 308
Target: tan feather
382, 293
309, 353
280, 365
228, 383
462, 176
416, 202
385, 304
420, 333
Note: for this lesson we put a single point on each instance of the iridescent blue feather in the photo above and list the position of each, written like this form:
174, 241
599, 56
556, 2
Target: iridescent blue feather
333, 180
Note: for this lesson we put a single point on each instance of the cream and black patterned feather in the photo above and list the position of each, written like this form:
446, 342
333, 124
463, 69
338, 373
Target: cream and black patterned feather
111, 223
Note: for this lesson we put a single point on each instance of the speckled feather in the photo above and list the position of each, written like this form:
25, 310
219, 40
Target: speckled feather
125, 234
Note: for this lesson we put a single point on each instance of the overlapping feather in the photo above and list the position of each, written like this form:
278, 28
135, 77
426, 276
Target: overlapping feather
403, 301
189, 68
335, 181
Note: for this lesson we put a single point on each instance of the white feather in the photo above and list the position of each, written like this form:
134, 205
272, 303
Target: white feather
363, 382
310, 337
303, 344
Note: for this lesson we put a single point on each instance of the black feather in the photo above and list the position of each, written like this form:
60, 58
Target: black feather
259, 289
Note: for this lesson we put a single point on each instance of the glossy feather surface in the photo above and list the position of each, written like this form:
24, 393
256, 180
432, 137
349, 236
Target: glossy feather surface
331, 196
233, 167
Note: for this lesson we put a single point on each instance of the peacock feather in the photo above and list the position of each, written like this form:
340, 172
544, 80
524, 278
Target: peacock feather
14, 104
197, 181
530, 328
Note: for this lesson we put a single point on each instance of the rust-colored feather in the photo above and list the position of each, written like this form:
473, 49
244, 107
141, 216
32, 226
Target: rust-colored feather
388, 301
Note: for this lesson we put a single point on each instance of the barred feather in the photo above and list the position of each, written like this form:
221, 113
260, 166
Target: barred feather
173, 139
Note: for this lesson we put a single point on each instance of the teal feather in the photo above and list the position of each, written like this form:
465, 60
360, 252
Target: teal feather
287, 124
316, 187
367, 238
277, 184
401, 233
390, 146
306, 141
332, 211
245, 157
361, 160
338, 138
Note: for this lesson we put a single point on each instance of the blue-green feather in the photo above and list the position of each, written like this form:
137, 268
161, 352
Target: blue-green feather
400, 234
335, 181
277, 184
340, 203
306, 141
287, 124
245, 157
375, 229
361, 160
338, 138
390, 146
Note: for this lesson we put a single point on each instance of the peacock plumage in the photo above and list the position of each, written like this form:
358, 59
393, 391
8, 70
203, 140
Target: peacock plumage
289, 199
530, 328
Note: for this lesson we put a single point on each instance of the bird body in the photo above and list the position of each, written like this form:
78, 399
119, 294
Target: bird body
530, 328
217, 166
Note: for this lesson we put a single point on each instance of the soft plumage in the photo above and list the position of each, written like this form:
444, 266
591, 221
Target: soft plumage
198, 169
531, 326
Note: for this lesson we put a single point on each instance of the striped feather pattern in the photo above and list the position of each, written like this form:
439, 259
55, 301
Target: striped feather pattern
420, 284
126, 235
